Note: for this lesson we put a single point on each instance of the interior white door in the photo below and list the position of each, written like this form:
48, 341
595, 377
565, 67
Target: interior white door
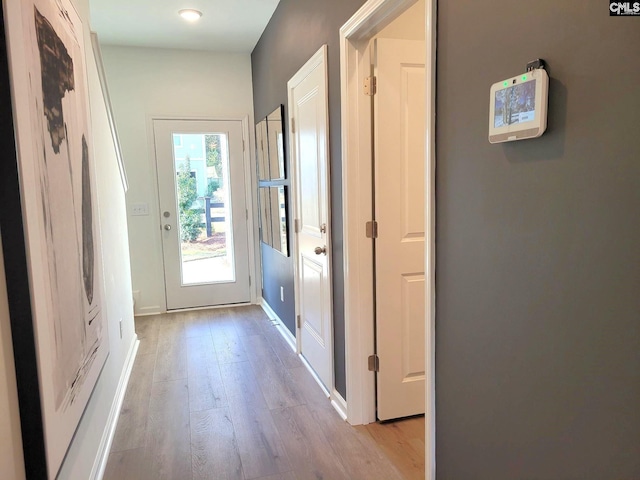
310, 161
200, 166
399, 126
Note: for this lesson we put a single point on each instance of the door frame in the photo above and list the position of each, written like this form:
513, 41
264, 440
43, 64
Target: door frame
316, 59
250, 181
357, 197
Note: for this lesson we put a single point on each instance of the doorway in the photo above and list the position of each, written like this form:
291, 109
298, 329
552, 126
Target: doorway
357, 188
202, 198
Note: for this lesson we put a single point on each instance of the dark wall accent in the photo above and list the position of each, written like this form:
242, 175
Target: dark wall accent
538, 247
278, 271
296, 31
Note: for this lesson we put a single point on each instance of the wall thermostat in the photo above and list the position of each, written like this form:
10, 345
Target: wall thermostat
518, 105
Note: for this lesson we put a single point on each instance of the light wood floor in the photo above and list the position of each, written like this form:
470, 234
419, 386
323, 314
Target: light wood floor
219, 394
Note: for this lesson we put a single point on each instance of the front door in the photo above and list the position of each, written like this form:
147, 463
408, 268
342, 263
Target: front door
202, 194
399, 118
310, 160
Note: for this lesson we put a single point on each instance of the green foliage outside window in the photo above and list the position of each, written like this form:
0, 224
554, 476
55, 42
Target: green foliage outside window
190, 225
214, 153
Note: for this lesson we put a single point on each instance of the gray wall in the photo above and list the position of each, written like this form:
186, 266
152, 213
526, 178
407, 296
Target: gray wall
296, 31
538, 247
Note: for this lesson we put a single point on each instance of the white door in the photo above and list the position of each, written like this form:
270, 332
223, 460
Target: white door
201, 185
399, 126
310, 161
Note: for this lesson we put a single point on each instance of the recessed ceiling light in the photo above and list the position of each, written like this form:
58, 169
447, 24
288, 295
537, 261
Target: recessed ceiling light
190, 14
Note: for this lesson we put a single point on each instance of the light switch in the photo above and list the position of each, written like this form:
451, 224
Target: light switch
139, 209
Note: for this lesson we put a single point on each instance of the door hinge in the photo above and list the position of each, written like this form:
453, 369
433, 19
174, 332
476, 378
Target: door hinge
370, 86
298, 322
374, 363
249, 280
296, 225
372, 229
293, 125
246, 213
243, 147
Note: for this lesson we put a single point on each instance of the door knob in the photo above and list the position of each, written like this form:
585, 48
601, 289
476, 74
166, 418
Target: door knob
167, 227
320, 250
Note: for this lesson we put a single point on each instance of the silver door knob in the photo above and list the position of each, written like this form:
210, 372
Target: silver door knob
167, 227
320, 250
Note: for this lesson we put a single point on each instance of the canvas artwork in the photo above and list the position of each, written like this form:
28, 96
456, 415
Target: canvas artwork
55, 155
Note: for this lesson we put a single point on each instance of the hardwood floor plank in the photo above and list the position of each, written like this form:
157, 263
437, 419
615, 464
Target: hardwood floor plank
309, 450
245, 322
129, 464
407, 454
171, 361
309, 388
240, 382
361, 457
229, 349
147, 330
196, 324
214, 451
283, 350
280, 476
168, 431
275, 382
172, 325
222, 324
259, 444
201, 356
206, 393
132, 422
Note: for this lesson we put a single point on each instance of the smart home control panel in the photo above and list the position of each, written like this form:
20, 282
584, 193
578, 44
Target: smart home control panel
518, 107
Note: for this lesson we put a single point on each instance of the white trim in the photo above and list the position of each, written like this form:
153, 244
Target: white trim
147, 311
357, 199
279, 324
430, 256
319, 58
250, 202
209, 307
100, 463
339, 404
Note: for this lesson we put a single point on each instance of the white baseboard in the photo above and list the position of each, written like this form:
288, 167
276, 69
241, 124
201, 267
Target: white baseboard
279, 324
100, 464
146, 311
339, 404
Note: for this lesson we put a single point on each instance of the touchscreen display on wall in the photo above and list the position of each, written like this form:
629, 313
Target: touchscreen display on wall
515, 104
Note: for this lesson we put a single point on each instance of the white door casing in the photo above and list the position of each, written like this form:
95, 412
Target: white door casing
308, 111
356, 198
399, 121
237, 290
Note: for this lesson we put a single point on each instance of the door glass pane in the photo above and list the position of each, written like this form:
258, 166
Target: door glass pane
203, 200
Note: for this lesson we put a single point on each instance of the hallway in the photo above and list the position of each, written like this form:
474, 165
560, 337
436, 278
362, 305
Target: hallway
218, 394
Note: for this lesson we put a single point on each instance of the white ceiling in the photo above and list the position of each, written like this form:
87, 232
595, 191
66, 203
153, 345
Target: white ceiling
225, 26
